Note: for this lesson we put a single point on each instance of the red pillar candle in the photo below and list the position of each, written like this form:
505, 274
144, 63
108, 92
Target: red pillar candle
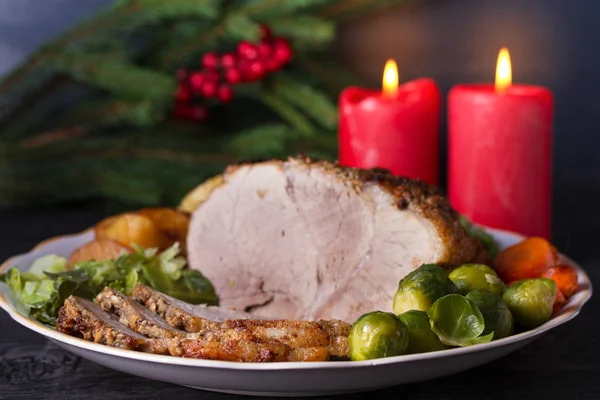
396, 128
500, 153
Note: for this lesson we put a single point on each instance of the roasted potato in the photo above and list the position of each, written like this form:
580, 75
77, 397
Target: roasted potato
174, 224
200, 193
135, 229
97, 250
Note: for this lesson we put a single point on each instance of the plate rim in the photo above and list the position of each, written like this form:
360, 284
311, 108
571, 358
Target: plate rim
572, 310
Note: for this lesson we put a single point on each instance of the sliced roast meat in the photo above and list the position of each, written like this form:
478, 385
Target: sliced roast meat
136, 316
83, 318
330, 335
308, 240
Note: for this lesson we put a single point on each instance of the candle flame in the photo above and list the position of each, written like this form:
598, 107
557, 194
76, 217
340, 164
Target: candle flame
503, 71
390, 79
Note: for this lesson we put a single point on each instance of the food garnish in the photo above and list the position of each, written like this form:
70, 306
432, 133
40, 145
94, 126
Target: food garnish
45, 286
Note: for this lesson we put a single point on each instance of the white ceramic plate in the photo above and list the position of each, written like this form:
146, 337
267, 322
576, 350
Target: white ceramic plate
283, 379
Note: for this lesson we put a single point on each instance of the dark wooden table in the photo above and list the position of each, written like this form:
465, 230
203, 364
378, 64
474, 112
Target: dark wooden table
563, 364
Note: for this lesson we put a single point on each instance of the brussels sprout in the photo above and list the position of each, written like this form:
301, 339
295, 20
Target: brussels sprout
496, 315
457, 321
419, 289
377, 334
531, 301
469, 277
421, 338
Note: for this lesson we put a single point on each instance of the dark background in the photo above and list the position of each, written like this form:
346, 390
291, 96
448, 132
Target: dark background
552, 43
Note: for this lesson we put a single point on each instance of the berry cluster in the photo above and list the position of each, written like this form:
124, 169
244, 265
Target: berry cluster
250, 63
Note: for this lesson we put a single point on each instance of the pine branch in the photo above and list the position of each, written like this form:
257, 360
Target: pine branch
346, 9
121, 78
262, 142
155, 10
241, 27
106, 112
264, 9
305, 29
288, 113
311, 101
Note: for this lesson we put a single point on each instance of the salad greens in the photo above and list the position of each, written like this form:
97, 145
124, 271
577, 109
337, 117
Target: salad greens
457, 321
45, 286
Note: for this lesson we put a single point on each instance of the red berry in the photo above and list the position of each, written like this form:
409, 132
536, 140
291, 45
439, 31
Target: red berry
197, 79
272, 64
181, 74
264, 50
247, 50
183, 94
233, 75
197, 113
209, 89
181, 110
225, 93
228, 60
283, 51
212, 76
210, 60
256, 70
265, 32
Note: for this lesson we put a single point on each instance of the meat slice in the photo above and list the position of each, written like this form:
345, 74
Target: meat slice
330, 335
82, 318
308, 240
136, 316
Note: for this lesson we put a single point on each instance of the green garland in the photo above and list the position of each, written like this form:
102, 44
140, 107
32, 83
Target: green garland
89, 114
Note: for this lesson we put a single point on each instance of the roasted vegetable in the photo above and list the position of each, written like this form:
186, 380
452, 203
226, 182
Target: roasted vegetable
97, 250
565, 278
457, 321
469, 277
420, 288
531, 301
421, 338
529, 258
174, 224
132, 229
377, 334
496, 315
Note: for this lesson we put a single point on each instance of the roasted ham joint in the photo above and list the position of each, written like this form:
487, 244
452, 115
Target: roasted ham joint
268, 261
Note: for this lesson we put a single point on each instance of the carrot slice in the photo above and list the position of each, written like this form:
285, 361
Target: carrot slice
559, 302
565, 278
528, 259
